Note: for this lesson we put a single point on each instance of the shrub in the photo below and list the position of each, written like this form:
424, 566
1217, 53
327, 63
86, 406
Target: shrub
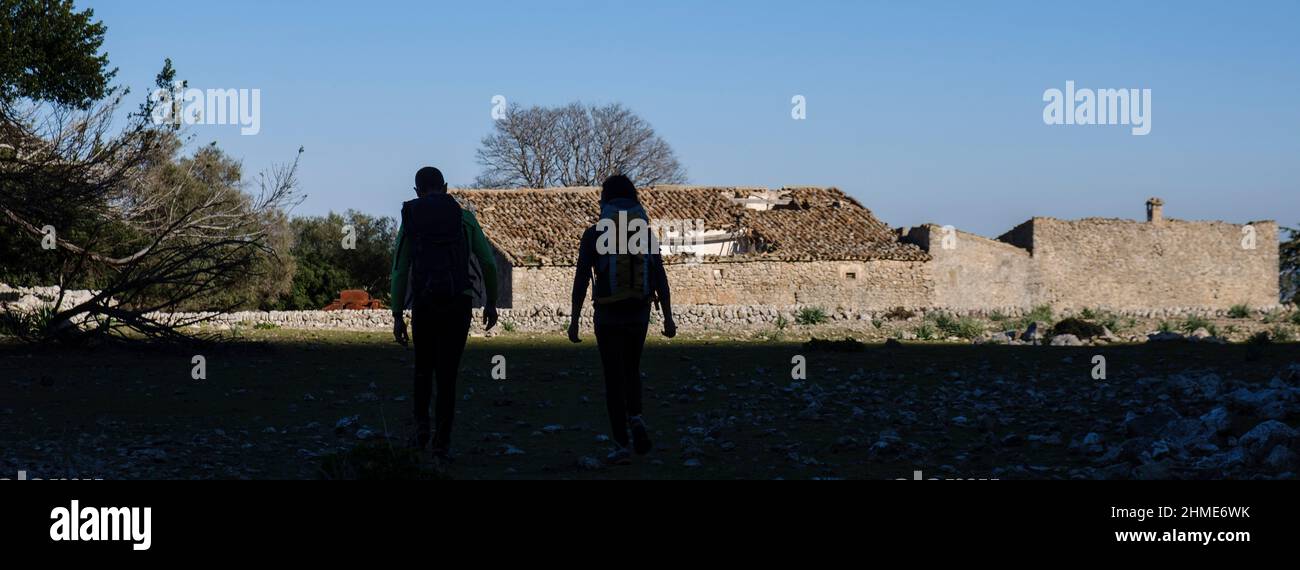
1088, 314
1041, 313
1239, 311
1077, 327
965, 327
782, 322
508, 326
925, 332
811, 316
1281, 333
1165, 326
1195, 322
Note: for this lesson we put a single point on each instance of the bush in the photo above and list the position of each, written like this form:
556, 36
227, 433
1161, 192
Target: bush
1041, 313
1239, 311
1088, 314
1077, 327
782, 322
811, 316
1165, 327
925, 332
1281, 333
1194, 322
508, 326
965, 327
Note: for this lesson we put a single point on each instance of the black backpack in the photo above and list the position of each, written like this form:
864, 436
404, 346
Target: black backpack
439, 249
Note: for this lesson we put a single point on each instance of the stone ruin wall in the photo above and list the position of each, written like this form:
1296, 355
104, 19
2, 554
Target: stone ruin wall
862, 285
1105, 264
1125, 265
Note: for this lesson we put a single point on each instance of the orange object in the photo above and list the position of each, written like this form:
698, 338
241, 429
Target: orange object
354, 300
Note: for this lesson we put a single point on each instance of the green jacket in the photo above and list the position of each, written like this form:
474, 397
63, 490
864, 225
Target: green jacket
478, 245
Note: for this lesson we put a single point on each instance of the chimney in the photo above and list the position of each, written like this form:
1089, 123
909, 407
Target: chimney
1156, 211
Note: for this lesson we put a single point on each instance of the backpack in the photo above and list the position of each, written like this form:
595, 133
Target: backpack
623, 274
439, 248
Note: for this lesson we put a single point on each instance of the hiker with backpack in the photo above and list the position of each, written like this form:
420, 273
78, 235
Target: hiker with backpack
443, 267
627, 275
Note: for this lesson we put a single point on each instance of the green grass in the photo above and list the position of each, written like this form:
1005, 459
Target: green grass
925, 331
1190, 324
1295, 318
1166, 327
811, 316
1239, 311
963, 327
781, 322
1040, 314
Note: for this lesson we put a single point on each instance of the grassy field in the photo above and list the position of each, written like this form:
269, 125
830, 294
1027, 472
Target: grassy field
718, 408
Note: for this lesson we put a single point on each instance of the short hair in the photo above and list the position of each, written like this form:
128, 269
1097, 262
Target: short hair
429, 179
617, 186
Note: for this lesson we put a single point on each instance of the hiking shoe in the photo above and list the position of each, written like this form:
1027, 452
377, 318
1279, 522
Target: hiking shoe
620, 456
640, 435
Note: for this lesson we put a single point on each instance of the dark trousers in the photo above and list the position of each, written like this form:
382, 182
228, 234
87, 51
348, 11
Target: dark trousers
620, 354
439, 332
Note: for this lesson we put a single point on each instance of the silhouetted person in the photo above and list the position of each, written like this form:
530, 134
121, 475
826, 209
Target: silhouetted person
628, 276
441, 265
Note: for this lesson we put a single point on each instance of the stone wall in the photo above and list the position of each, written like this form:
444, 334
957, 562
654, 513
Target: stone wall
976, 272
1120, 264
828, 284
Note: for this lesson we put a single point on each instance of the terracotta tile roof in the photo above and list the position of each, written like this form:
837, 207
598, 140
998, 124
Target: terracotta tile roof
543, 226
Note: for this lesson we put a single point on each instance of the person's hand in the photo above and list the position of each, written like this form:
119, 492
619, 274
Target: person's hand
670, 327
573, 331
399, 330
489, 317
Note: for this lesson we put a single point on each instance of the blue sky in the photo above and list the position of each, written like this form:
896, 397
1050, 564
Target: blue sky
924, 111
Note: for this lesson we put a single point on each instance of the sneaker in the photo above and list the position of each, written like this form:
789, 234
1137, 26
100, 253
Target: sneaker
640, 435
620, 456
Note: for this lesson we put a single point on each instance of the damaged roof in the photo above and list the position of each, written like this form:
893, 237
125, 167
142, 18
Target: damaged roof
543, 226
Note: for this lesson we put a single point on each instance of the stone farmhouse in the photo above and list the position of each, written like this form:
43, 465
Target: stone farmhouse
820, 247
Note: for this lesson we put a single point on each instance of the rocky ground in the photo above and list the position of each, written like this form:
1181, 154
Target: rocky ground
283, 404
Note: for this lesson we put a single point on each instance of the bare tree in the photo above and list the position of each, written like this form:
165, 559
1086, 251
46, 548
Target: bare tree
151, 232
574, 145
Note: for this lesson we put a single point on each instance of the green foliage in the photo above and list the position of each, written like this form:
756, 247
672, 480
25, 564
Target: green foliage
1289, 266
1295, 318
997, 316
782, 322
325, 268
1239, 311
1190, 324
1088, 314
508, 326
925, 331
1281, 333
1165, 326
264, 326
1039, 314
49, 51
811, 316
964, 327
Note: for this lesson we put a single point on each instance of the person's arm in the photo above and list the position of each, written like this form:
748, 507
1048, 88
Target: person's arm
397, 289
659, 281
581, 278
481, 249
